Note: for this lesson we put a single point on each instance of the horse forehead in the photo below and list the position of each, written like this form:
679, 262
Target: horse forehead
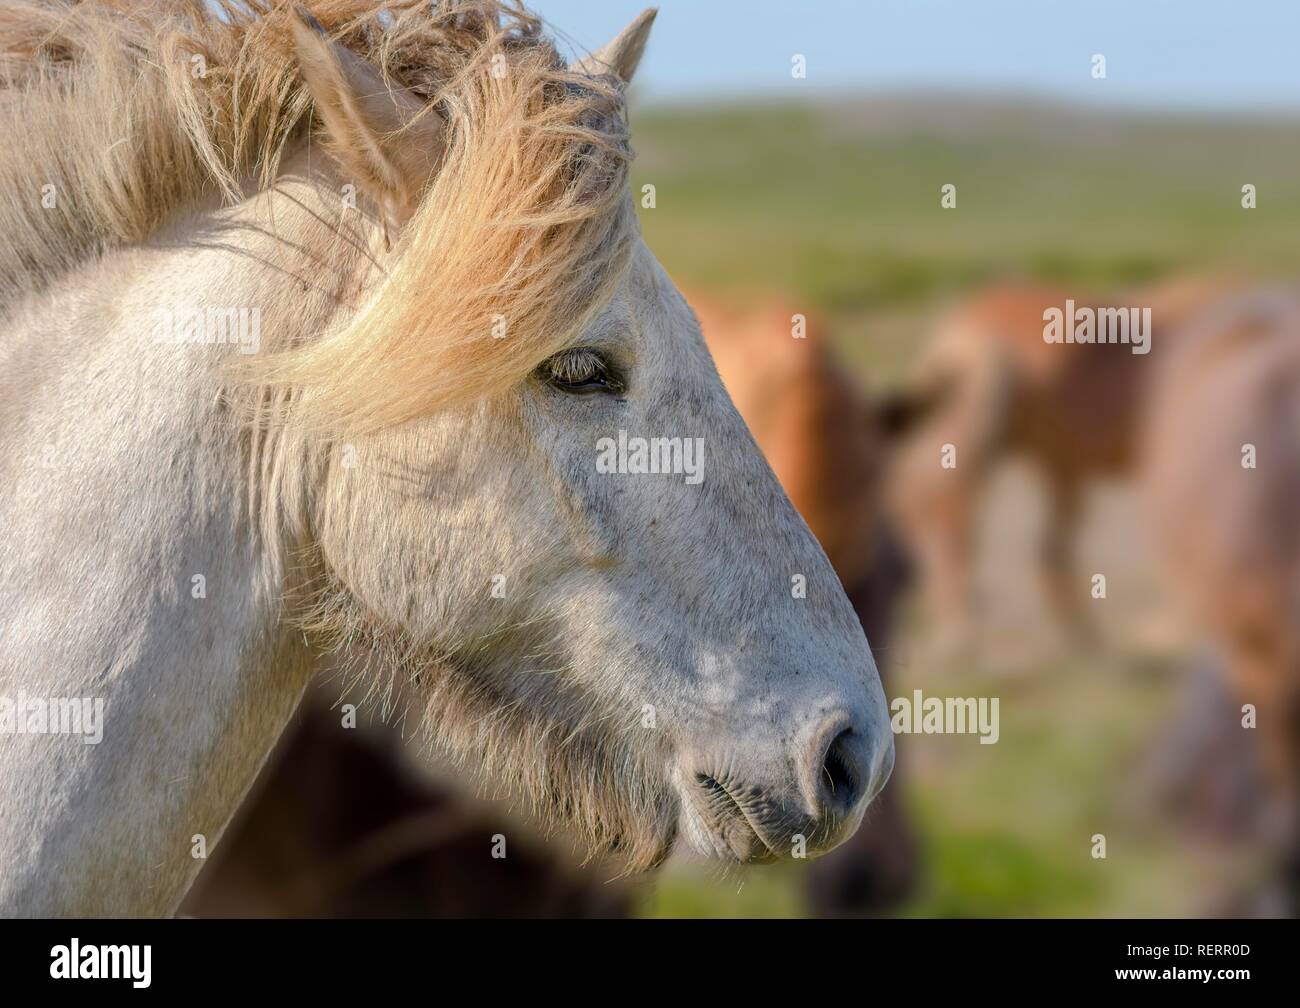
648, 283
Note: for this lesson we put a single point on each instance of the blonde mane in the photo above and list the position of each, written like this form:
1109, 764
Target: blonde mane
131, 111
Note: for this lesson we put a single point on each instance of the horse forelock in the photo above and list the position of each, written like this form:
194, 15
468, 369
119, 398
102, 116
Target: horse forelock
130, 112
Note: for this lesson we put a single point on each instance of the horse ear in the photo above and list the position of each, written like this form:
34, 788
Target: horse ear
387, 139
621, 56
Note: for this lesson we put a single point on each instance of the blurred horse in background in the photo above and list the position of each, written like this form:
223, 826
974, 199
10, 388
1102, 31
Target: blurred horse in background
1221, 480
998, 389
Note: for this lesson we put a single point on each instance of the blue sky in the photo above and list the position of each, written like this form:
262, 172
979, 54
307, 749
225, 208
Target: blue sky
1161, 53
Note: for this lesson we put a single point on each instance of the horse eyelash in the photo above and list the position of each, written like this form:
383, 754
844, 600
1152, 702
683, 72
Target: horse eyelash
580, 364
576, 365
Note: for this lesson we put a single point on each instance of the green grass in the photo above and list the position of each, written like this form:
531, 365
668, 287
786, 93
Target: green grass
832, 207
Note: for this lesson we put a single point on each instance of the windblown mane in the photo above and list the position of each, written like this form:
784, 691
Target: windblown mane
132, 110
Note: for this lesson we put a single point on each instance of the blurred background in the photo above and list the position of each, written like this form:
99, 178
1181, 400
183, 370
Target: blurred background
820, 195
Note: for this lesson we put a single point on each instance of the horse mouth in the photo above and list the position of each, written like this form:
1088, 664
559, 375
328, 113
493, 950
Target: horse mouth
732, 820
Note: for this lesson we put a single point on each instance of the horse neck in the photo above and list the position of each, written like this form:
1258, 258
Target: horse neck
133, 569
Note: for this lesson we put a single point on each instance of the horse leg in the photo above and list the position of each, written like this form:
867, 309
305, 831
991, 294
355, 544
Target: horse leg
942, 540
1203, 770
1266, 672
1065, 592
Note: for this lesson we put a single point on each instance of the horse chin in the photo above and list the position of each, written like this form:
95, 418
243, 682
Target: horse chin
652, 856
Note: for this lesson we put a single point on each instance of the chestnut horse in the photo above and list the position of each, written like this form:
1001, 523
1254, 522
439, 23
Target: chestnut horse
998, 389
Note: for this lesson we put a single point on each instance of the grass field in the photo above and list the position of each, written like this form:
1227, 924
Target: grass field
838, 206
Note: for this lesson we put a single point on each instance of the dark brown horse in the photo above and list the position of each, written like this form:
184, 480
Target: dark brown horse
344, 824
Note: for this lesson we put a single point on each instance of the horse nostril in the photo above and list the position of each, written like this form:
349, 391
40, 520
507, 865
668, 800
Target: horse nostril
841, 782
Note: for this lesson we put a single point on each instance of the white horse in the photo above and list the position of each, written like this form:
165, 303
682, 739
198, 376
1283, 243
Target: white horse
272, 407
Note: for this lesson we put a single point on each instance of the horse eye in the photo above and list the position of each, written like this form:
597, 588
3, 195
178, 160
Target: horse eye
580, 371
